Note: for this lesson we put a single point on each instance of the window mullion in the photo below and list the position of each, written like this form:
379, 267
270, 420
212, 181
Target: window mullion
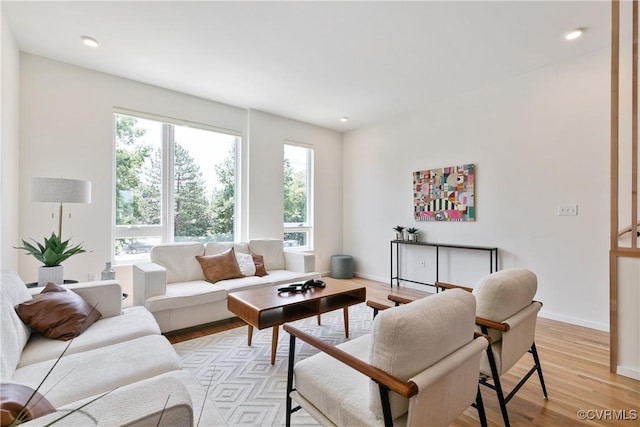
168, 157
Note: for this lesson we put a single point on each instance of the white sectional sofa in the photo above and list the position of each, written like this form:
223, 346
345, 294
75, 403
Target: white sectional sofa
173, 287
122, 353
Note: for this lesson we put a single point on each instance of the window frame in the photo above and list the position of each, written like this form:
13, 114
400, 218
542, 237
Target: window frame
296, 227
165, 230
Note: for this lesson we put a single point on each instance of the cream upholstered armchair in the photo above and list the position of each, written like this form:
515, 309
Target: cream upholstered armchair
418, 367
505, 311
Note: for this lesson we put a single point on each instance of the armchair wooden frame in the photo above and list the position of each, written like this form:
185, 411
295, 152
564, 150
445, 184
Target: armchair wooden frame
485, 325
385, 381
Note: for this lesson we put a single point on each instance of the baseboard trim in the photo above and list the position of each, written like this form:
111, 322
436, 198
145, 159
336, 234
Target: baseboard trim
574, 321
371, 277
625, 371
545, 314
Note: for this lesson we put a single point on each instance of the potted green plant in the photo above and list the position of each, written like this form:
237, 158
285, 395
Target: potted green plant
51, 254
399, 232
413, 234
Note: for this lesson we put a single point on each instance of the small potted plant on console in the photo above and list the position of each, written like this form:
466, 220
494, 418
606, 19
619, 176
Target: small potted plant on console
399, 232
413, 234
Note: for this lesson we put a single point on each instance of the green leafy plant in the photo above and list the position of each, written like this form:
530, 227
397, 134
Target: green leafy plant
412, 230
53, 252
398, 228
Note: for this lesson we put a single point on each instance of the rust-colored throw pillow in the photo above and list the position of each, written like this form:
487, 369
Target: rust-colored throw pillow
258, 260
220, 267
14, 397
58, 313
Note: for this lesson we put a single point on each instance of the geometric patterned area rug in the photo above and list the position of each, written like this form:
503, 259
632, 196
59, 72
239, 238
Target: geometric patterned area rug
246, 389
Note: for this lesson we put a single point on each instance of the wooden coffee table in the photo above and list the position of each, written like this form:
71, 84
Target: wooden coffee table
264, 308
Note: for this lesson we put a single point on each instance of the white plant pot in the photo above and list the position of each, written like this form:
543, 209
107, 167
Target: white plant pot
50, 274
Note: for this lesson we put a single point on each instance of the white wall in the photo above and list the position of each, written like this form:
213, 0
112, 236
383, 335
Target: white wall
66, 130
9, 93
537, 141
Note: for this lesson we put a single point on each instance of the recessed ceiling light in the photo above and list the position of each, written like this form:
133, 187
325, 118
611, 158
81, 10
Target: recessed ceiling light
89, 41
344, 119
574, 34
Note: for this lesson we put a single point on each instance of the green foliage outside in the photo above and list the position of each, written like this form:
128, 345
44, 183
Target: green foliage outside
295, 202
223, 207
295, 194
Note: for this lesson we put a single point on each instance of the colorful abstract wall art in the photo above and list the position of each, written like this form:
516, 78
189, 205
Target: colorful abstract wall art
445, 194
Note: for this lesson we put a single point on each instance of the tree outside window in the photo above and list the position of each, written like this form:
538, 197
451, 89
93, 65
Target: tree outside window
196, 193
298, 161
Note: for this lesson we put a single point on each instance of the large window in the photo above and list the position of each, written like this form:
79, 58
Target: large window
298, 176
173, 182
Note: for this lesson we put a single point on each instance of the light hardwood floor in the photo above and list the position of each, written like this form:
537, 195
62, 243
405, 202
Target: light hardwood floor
575, 363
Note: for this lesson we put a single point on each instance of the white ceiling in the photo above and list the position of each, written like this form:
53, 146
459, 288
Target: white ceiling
312, 61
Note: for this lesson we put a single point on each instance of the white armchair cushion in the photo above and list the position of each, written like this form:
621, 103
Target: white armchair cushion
179, 260
339, 392
502, 294
271, 250
409, 338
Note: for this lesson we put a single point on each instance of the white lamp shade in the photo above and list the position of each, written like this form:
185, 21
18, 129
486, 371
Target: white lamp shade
59, 190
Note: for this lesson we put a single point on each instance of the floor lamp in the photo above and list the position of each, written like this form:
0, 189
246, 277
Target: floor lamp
59, 190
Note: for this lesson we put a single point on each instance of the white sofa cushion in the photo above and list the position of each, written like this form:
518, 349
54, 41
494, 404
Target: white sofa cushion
272, 252
187, 294
100, 370
399, 334
134, 405
135, 322
179, 259
275, 277
15, 334
216, 248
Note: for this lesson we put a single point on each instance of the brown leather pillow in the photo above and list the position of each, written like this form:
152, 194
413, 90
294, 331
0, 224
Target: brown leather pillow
258, 260
58, 313
14, 397
220, 267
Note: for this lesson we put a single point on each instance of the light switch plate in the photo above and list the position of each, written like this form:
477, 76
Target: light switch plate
567, 210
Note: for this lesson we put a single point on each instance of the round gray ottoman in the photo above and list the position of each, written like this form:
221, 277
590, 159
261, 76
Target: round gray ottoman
342, 266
